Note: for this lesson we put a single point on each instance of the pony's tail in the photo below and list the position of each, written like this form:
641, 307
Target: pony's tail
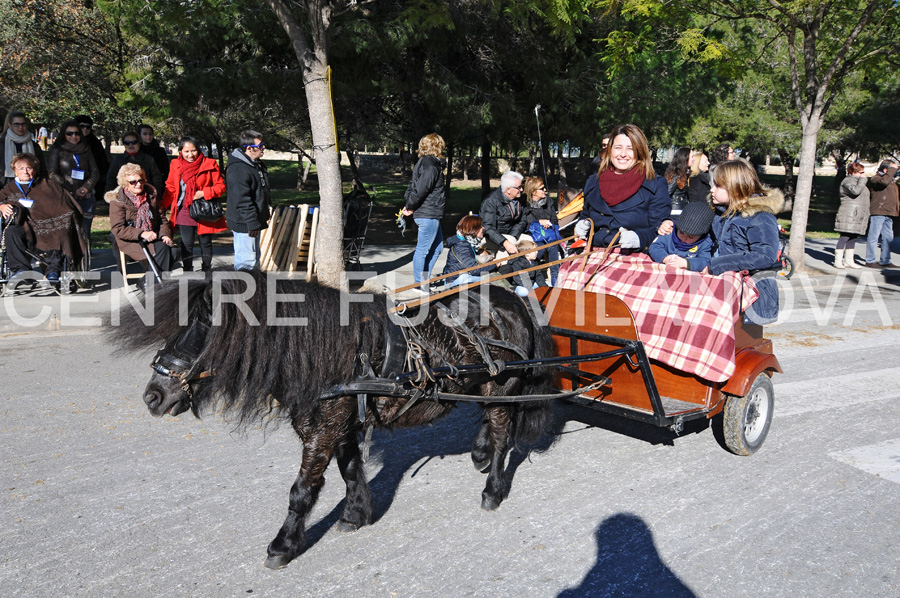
532, 419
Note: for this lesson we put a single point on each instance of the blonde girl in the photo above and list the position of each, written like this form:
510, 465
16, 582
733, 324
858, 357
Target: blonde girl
746, 231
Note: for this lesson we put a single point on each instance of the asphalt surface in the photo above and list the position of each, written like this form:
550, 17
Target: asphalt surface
101, 499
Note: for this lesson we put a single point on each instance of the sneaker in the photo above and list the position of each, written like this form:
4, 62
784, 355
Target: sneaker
873, 265
53, 276
887, 265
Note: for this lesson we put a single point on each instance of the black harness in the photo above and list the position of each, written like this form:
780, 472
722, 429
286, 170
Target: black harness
190, 344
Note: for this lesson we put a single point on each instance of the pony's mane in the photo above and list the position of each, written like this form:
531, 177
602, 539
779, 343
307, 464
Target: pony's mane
263, 367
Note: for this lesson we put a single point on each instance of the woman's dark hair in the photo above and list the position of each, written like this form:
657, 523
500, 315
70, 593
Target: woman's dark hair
188, 139
720, 154
61, 136
679, 168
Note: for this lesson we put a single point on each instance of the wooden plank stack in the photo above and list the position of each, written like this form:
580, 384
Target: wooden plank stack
289, 243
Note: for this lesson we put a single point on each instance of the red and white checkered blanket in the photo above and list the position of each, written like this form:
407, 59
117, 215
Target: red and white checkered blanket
685, 319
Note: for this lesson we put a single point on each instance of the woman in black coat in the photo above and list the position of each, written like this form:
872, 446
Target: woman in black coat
425, 203
71, 164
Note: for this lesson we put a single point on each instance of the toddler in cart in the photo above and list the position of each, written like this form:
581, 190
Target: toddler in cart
689, 246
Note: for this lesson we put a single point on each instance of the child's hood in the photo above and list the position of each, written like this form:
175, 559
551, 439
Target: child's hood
772, 202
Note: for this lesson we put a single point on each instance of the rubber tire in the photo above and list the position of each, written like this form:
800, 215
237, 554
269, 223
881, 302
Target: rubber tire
742, 417
787, 267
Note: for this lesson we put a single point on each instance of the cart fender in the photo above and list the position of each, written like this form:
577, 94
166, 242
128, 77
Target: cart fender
749, 363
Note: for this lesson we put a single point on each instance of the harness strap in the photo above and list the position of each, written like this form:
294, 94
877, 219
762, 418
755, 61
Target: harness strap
494, 367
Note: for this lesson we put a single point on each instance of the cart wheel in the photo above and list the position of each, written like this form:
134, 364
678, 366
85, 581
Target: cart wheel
746, 420
787, 267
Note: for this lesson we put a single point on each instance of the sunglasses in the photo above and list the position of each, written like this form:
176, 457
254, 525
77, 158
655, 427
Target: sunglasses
86, 126
256, 145
129, 143
73, 133
136, 182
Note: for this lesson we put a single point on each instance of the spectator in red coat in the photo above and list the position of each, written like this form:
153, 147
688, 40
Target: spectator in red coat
192, 177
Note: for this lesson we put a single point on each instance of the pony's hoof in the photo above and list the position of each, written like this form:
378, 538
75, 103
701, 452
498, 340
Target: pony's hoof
278, 561
489, 504
482, 465
346, 526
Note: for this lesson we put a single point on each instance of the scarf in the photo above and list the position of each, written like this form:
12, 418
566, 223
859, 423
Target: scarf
142, 203
10, 148
616, 188
189, 172
74, 148
682, 246
472, 240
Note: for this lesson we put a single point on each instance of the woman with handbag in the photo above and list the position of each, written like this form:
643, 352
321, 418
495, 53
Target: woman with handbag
192, 191
543, 225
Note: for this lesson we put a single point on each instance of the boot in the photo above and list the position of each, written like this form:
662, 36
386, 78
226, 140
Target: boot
849, 254
839, 259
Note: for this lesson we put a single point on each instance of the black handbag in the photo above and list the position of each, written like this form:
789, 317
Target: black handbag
203, 210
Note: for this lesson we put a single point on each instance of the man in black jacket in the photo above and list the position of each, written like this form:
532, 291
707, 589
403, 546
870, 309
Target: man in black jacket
503, 214
248, 192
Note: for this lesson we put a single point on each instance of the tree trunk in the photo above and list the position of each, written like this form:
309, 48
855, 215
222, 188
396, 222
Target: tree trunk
800, 213
449, 176
788, 162
311, 50
561, 166
485, 167
353, 159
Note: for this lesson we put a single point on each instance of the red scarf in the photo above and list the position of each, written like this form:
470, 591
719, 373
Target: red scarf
616, 188
189, 172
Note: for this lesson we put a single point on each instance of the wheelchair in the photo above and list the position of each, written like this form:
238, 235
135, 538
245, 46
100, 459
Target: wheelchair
71, 274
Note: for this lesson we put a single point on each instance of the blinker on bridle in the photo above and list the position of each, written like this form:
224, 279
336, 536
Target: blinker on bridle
190, 344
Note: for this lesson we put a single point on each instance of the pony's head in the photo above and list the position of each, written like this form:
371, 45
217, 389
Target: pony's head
176, 374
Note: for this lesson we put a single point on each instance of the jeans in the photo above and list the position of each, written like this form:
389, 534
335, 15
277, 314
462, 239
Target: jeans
246, 251
880, 227
428, 248
462, 279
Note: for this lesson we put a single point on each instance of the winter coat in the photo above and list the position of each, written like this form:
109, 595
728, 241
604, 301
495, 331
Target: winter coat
100, 158
53, 222
61, 162
698, 187
853, 215
749, 241
122, 214
534, 213
697, 257
247, 184
425, 195
885, 197
209, 180
678, 194
500, 216
642, 213
151, 171
159, 155
461, 255
517, 264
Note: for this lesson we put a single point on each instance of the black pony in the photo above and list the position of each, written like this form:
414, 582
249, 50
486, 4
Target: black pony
223, 352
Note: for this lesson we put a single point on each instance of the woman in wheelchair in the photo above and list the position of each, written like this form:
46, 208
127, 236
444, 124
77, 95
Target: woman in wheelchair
135, 218
40, 220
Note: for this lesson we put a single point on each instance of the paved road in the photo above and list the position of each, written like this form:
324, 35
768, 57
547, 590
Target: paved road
100, 499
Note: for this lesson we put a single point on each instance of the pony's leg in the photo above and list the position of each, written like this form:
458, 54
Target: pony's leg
358, 508
481, 448
318, 447
495, 488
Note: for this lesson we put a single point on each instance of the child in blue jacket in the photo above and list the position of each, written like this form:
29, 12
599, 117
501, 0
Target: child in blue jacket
462, 251
689, 246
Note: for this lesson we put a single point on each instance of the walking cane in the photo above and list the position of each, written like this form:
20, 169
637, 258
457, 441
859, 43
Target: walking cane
150, 260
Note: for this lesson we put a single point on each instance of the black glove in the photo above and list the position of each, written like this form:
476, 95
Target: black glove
253, 233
